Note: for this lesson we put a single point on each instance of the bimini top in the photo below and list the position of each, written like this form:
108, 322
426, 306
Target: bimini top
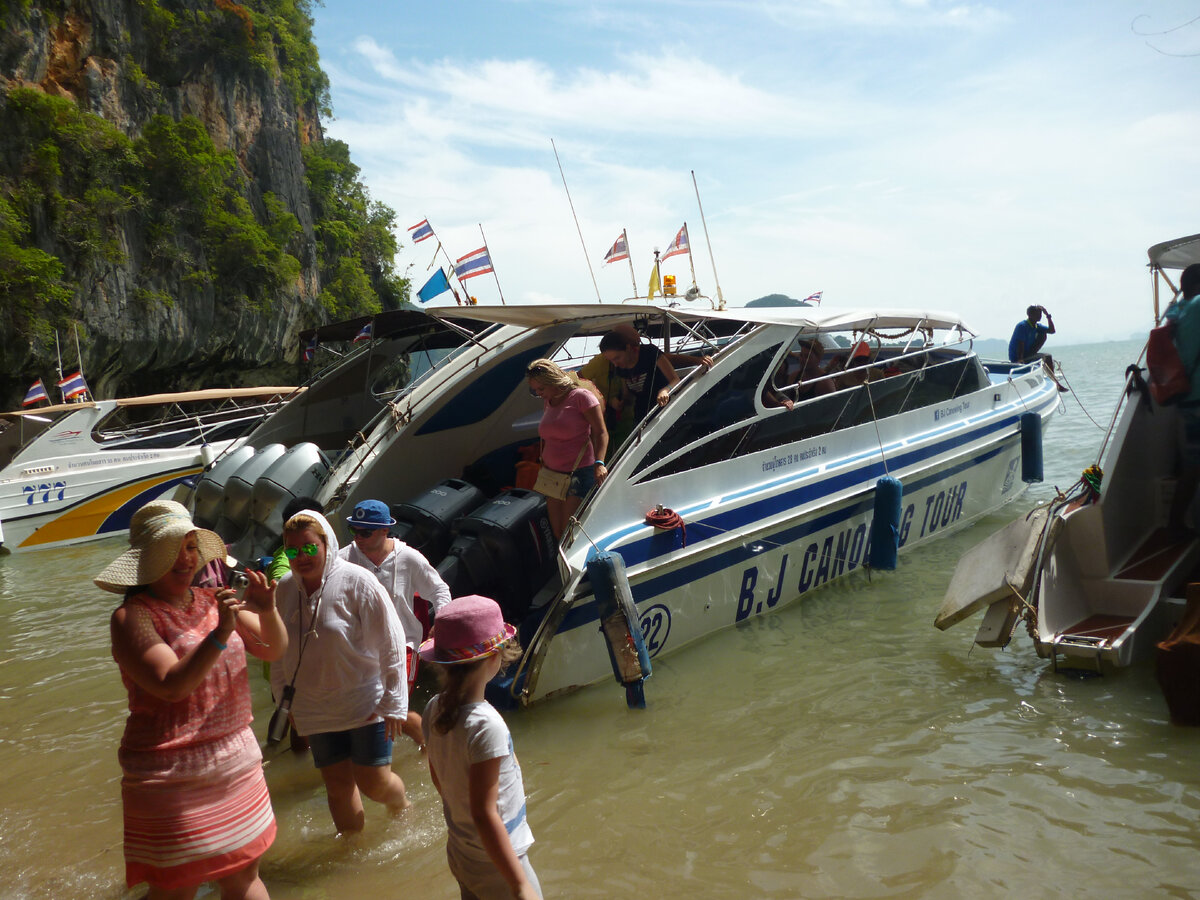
815, 319
1177, 254
207, 395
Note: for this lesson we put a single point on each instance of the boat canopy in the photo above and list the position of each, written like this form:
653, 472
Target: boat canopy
545, 315
1177, 254
394, 323
209, 395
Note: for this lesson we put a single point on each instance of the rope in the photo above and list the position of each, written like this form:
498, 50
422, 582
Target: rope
1063, 376
667, 520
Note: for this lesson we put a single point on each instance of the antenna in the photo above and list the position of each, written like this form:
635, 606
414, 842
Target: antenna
576, 218
720, 296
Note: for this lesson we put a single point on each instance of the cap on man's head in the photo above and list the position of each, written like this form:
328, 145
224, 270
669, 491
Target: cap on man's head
371, 514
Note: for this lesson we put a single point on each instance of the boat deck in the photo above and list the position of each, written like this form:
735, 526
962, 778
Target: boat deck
1097, 630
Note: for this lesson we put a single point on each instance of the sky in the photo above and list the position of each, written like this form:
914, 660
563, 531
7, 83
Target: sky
973, 157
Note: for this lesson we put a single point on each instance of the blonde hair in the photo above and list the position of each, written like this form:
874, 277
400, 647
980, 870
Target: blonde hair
301, 522
552, 375
453, 680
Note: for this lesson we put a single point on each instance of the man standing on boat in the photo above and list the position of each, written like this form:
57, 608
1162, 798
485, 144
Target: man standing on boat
403, 572
1185, 314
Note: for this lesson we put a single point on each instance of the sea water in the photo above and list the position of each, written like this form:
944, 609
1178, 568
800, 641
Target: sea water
842, 747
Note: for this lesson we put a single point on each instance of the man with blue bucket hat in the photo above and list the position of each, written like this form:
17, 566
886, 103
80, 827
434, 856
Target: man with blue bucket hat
403, 572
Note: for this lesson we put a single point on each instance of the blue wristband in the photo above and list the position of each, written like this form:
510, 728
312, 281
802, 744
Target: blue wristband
212, 637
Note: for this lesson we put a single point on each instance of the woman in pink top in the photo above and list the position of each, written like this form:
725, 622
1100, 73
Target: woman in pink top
195, 802
573, 435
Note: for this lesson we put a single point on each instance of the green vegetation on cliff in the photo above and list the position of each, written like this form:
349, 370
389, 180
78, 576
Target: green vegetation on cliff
155, 198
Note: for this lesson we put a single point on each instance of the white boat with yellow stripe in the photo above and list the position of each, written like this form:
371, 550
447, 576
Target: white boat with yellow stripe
76, 472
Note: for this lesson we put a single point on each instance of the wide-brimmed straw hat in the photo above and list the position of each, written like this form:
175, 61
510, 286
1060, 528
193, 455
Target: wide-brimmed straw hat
467, 628
155, 534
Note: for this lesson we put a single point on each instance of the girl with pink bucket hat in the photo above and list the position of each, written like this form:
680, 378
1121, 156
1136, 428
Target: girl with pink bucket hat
471, 757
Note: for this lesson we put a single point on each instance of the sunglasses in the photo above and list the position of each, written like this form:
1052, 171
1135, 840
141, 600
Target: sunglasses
308, 549
365, 531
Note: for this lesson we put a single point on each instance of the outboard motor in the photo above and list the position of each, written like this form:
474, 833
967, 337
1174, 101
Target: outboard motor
504, 550
425, 522
210, 489
235, 504
297, 473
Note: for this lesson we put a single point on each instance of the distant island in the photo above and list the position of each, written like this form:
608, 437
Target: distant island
777, 300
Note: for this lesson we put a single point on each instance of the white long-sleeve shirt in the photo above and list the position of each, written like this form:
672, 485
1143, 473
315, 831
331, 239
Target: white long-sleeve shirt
402, 573
351, 660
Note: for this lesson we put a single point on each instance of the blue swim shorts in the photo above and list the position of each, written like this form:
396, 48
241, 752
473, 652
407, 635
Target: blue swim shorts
366, 745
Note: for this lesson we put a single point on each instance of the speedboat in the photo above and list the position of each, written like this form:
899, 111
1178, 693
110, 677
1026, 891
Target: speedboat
293, 452
75, 472
723, 505
1096, 574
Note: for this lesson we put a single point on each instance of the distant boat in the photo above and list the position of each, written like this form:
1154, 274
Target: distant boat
76, 472
1098, 576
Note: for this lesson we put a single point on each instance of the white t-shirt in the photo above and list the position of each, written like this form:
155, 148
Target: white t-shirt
402, 573
481, 734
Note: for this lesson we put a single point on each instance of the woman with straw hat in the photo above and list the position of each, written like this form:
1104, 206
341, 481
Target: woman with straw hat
195, 802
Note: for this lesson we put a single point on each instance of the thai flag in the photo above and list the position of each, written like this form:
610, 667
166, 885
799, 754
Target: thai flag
679, 245
37, 393
814, 298
618, 251
310, 349
73, 386
422, 231
475, 263
366, 332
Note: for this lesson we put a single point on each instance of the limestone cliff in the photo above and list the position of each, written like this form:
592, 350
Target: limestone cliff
166, 191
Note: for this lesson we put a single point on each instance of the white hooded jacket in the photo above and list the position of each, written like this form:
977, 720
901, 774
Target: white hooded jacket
345, 647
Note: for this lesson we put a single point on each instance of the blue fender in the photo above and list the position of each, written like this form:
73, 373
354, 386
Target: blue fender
619, 625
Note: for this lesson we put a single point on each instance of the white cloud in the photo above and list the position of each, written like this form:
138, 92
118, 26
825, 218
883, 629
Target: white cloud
961, 157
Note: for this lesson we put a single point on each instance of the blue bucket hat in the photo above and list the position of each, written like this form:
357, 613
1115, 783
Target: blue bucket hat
371, 514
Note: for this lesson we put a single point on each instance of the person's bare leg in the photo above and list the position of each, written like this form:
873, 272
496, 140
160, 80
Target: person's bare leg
382, 785
341, 790
243, 885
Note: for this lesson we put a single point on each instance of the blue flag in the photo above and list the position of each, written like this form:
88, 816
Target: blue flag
438, 283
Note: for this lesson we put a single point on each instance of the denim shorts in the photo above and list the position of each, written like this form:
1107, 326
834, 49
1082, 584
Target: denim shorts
582, 481
366, 745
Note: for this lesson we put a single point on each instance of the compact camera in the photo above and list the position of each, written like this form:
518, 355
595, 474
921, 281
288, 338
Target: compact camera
279, 719
239, 583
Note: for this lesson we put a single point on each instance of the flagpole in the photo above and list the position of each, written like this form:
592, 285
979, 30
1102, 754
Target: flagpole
493, 265
571, 203
450, 264
78, 355
629, 259
720, 296
691, 262
58, 354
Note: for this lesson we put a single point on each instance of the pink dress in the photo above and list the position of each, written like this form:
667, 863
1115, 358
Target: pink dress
195, 801
564, 429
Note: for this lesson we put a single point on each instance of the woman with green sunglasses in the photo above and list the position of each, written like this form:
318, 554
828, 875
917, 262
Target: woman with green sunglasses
345, 664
